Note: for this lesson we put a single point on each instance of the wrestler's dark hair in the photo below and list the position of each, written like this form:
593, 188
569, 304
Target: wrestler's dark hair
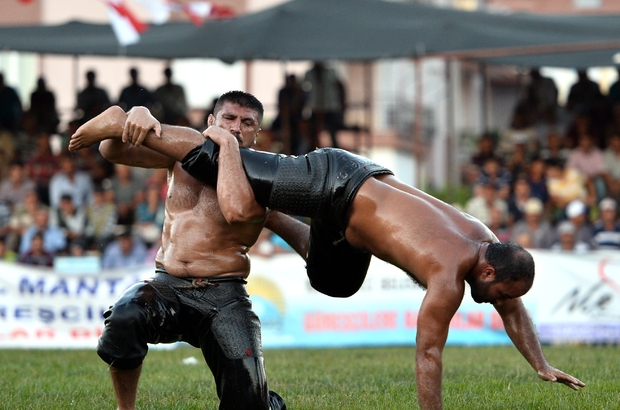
511, 262
241, 98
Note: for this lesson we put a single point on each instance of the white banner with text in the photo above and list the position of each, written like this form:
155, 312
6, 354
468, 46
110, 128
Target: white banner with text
575, 299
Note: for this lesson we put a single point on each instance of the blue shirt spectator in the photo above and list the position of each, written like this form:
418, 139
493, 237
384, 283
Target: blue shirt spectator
606, 233
69, 181
124, 252
54, 238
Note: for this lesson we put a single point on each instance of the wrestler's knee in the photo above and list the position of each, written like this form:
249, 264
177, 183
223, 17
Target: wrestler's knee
123, 342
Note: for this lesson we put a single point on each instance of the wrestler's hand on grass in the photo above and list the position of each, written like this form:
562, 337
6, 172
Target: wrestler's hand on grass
552, 374
139, 122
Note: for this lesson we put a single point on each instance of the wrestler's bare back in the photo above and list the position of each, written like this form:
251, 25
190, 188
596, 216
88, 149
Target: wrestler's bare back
418, 233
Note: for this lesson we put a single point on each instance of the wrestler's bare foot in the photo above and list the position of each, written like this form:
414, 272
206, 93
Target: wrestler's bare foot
108, 124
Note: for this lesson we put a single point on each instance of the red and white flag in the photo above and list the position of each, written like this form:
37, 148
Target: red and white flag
127, 27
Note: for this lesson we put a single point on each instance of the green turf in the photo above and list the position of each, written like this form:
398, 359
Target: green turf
363, 378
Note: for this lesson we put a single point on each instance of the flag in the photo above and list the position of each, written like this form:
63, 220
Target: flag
126, 26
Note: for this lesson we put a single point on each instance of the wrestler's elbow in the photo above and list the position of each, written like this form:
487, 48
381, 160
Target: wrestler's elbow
244, 214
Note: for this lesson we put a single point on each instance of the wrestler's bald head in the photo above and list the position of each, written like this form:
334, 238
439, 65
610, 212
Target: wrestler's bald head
242, 99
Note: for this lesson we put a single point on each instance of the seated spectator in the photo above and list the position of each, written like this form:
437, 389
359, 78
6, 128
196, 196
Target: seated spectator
23, 216
567, 184
6, 254
486, 150
499, 226
150, 216
534, 225
494, 174
606, 230
567, 240
484, 199
612, 164
590, 161
102, 217
5, 218
70, 181
554, 149
36, 254
538, 180
518, 199
14, 188
54, 239
41, 166
577, 212
126, 251
127, 193
71, 219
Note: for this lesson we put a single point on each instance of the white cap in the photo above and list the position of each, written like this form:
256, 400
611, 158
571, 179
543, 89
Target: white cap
607, 204
534, 206
565, 227
575, 208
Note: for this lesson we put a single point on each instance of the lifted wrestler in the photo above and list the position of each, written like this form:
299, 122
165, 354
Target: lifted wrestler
198, 293
359, 209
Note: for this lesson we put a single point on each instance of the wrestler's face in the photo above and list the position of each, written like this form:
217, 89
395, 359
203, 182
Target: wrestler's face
496, 292
240, 121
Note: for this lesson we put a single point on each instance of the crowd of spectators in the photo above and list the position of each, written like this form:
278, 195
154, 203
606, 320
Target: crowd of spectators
57, 203
552, 180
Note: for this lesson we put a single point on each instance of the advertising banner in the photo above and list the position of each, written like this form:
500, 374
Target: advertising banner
575, 298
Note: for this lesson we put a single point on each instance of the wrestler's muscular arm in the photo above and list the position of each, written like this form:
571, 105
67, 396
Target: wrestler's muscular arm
521, 331
441, 302
234, 193
294, 232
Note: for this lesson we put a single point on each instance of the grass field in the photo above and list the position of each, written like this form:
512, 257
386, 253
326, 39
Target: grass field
363, 378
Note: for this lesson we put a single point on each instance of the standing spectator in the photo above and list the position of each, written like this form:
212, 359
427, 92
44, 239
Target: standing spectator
54, 239
582, 94
36, 254
135, 94
71, 219
150, 216
24, 216
69, 181
325, 102
124, 252
590, 161
10, 107
577, 214
546, 93
102, 217
43, 107
92, 100
606, 232
127, 193
290, 115
171, 98
567, 239
534, 226
42, 165
14, 188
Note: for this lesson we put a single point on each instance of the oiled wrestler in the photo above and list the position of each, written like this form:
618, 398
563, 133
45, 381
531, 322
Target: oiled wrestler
442, 248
